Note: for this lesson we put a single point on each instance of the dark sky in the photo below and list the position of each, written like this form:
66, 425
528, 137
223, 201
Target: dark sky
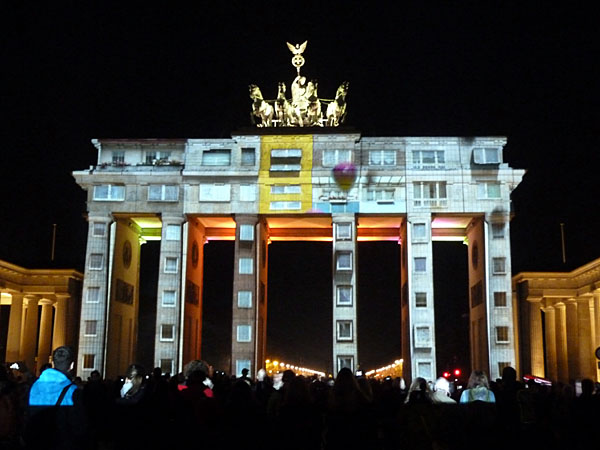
443, 68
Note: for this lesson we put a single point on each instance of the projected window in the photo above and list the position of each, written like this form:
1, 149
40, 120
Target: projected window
428, 159
488, 190
430, 193
344, 330
380, 195
98, 229
487, 155
241, 364
345, 361
382, 158
166, 366
173, 233
171, 264
93, 294
216, 157
420, 264
343, 231
153, 157
424, 369
248, 156
167, 332
244, 333
96, 261
344, 296
497, 230
246, 266
246, 232
244, 299
163, 193
169, 298
90, 327
419, 231
89, 361
343, 261
502, 335
118, 157
333, 157
499, 265
423, 336
109, 192
279, 205
286, 189
500, 299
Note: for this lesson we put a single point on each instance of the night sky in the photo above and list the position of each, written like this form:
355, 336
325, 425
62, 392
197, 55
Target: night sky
71, 74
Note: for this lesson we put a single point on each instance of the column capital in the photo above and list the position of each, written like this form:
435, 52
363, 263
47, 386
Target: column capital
173, 218
100, 217
32, 298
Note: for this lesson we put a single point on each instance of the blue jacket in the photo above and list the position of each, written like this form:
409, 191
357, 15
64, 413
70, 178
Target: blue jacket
46, 390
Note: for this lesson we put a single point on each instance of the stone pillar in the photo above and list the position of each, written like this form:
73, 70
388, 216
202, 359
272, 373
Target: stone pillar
45, 337
168, 318
421, 298
345, 339
30, 334
536, 338
550, 322
572, 338
245, 336
60, 321
561, 343
586, 351
15, 320
95, 295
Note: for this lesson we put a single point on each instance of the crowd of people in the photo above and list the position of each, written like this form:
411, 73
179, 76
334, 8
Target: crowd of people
204, 408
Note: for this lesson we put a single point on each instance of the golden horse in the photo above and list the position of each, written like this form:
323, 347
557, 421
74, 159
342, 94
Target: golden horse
336, 110
260, 108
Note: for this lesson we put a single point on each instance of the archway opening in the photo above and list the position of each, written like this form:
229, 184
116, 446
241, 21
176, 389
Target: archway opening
217, 294
450, 284
299, 304
378, 302
149, 265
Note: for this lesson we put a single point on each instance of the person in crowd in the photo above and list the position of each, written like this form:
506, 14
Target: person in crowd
441, 393
349, 420
299, 421
56, 414
478, 389
196, 409
418, 392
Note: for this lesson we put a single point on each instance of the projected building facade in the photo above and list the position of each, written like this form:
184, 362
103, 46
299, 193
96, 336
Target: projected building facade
276, 184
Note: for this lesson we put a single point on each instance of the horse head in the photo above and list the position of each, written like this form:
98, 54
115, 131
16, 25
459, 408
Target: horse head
342, 90
255, 93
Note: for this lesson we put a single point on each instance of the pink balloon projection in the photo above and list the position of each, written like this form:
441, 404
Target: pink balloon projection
344, 175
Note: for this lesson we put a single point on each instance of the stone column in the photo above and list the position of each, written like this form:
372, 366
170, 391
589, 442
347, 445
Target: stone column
572, 338
550, 322
344, 333
246, 338
95, 295
60, 321
15, 320
536, 338
561, 343
30, 334
168, 318
586, 351
45, 337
